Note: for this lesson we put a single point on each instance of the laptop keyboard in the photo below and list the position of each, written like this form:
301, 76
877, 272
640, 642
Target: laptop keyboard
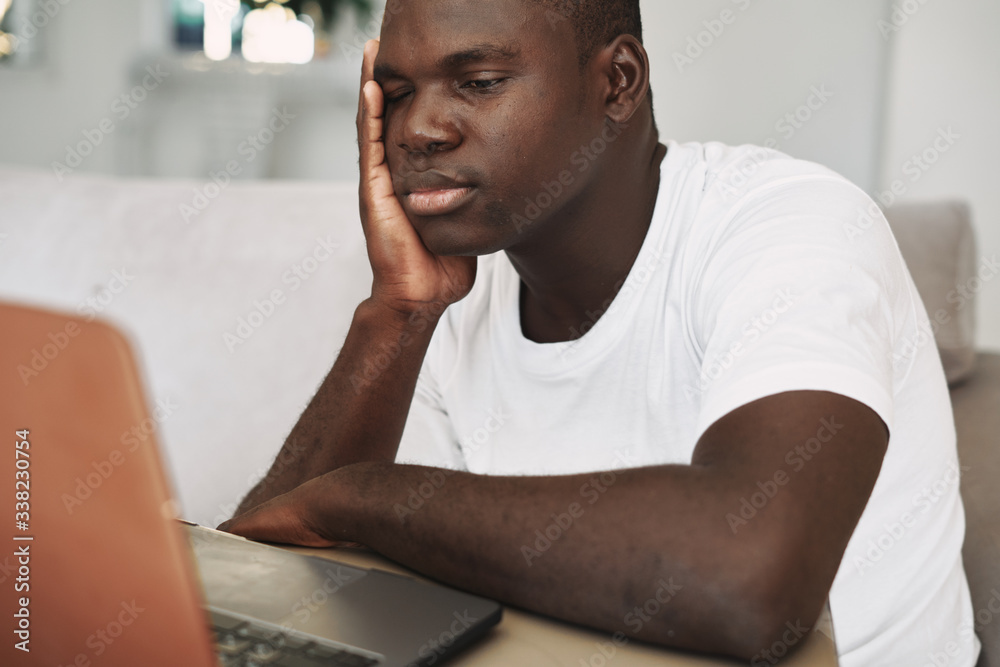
240, 644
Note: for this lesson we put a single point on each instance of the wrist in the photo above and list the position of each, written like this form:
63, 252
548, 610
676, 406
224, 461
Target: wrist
345, 500
409, 318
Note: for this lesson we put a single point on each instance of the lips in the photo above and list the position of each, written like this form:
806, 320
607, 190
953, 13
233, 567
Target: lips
438, 202
435, 193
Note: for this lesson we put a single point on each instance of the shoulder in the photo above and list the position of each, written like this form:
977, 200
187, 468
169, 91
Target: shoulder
739, 175
722, 191
769, 225
758, 194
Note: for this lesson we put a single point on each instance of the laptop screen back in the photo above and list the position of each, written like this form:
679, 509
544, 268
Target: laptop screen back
94, 571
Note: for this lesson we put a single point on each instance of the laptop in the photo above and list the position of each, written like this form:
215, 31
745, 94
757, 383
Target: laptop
98, 570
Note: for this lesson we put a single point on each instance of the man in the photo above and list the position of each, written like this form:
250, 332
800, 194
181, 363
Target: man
673, 375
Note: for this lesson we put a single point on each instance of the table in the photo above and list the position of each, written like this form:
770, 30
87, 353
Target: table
529, 640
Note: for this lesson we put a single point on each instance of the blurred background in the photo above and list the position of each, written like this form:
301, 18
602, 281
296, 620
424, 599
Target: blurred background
862, 86
117, 116
893, 75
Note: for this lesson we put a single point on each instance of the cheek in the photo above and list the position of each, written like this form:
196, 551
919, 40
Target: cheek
517, 145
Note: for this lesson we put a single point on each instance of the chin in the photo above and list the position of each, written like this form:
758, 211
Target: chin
449, 237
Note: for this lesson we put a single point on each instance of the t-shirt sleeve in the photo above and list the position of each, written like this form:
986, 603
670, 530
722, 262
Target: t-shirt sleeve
428, 436
802, 288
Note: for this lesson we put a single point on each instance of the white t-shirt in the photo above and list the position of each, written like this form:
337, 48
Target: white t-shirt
760, 274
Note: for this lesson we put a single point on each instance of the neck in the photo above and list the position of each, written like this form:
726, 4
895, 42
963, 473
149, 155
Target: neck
572, 269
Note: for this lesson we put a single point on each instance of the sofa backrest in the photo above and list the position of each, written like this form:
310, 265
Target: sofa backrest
939, 245
236, 314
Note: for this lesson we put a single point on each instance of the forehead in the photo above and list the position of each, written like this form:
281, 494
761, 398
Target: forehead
422, 31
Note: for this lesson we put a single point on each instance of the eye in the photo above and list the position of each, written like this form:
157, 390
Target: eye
396, 96
483, 84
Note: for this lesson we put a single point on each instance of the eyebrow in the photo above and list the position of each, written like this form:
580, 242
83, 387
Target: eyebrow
476, 53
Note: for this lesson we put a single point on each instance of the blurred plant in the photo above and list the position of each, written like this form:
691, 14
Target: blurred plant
328, 10
7, 41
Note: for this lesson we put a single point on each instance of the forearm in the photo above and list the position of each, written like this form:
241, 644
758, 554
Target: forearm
673, 554
646, 552
359, 411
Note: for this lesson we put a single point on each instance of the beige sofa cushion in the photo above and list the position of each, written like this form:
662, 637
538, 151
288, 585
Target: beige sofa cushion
938, 243
977, 421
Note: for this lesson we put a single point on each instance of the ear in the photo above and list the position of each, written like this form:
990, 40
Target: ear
625, 69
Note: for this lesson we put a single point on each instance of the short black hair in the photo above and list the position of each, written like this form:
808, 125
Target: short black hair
596, 22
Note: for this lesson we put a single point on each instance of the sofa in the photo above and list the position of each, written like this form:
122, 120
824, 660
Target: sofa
237, 296
938, 243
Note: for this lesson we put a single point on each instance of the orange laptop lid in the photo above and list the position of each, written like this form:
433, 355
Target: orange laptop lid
93, 571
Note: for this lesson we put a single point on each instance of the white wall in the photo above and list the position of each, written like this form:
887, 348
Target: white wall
942, 67
945, 70
85, 53
760, 68
764, 65
94, 52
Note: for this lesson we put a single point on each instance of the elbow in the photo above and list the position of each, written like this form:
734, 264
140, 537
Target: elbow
783, 611
758, 623
772, 639
757, 603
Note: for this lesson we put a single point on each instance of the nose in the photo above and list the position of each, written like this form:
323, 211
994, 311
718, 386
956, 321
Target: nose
426, 126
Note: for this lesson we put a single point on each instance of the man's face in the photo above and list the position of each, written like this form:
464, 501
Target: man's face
485, 105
